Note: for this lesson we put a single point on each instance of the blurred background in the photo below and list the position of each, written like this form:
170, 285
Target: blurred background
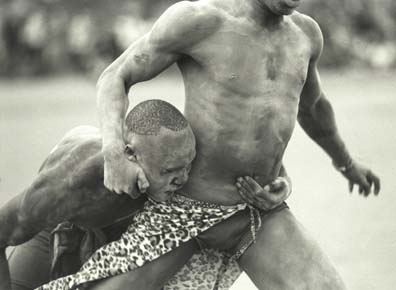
52, 52
41, 37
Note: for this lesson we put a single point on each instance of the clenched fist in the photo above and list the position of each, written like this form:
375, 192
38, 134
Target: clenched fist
122, 175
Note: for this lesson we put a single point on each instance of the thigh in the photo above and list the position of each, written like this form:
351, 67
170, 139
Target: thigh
30, 263
153, 275
285, 257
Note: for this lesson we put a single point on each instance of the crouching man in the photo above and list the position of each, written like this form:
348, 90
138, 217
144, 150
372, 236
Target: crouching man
69, 187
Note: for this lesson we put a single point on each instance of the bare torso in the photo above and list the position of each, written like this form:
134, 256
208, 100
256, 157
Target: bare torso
243, 84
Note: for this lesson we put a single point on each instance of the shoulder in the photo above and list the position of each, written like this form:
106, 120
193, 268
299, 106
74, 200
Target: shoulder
72, 153
185, 22
312, 30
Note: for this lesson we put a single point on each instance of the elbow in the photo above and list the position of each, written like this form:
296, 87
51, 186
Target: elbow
16, 227
304, 115
104, 77
19, 233
113, 79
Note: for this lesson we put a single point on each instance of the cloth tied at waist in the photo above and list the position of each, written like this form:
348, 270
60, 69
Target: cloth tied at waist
158, 229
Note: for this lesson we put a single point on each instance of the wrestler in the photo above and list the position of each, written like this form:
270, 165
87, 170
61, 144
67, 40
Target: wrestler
250, 72
69, 186
30, 263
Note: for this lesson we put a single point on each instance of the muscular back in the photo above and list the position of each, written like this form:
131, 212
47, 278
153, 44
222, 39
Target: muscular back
69, 187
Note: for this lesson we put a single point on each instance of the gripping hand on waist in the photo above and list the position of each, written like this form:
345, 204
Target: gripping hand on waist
267, 197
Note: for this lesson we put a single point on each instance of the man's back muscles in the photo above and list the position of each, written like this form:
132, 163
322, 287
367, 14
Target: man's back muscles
69, 187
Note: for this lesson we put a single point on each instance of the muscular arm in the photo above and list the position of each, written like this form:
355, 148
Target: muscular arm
315, 114
316, 117
179, 28
15, 228
68, 187
8, 222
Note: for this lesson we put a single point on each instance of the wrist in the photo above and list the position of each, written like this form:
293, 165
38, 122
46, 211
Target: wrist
113, 150
344, 166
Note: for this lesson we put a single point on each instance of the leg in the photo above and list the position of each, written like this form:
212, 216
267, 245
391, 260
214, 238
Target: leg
153, 275
29, 263
285, 257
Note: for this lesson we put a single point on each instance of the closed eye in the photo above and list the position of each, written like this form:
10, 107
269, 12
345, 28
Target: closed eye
171, 170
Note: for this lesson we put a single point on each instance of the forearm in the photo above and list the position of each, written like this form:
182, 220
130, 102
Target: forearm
319, 123
282, 171
112, 105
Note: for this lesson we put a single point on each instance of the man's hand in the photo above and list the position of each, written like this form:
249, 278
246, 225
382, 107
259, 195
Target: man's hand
267, 197
122, 175
363, 178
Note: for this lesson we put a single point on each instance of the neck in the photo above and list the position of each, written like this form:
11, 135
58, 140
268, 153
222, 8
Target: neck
261, 14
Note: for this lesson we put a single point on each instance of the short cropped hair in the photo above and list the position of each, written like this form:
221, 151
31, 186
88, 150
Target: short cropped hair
149, 116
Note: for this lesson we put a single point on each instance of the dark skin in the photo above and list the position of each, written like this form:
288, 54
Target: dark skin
250, 73
81, 162
69, 187
71, 181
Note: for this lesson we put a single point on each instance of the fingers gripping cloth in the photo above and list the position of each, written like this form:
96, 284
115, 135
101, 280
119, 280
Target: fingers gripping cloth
158, 229
255, 225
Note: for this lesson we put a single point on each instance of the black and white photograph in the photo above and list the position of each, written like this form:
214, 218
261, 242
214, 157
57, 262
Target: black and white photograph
197, 145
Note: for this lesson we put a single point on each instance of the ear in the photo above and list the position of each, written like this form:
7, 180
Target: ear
130, 153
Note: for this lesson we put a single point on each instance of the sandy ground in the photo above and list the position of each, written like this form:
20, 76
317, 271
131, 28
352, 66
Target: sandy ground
358, 234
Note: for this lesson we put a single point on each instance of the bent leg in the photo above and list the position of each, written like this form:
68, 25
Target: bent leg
285, 257
153, 275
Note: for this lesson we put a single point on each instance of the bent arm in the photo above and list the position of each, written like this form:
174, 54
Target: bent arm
316, 115
14, 230
317, 119
28, 213
177, 30
141, 61
173, 34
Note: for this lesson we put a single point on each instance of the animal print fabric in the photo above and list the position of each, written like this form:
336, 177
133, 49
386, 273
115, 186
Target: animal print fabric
208, 270
158, 229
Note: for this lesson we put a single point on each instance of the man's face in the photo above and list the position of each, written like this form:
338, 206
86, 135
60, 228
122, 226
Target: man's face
281, 7
166, 160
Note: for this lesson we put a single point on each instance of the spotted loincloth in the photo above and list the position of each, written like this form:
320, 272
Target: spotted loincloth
158, 229
208, 270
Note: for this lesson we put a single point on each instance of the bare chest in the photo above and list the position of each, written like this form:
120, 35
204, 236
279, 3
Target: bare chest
248, 62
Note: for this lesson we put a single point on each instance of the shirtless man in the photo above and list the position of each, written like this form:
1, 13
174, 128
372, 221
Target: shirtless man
250, 72
69, 186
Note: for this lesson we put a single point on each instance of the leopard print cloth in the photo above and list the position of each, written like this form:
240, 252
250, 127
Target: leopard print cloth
158, 229
208, 270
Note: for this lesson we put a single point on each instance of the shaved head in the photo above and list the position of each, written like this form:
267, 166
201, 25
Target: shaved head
148, 117
161, 141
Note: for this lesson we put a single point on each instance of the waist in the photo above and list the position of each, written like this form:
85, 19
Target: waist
219, 185
183, 199
206, 191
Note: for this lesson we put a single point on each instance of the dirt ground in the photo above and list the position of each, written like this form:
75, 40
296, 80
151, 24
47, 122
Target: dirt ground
358, 234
